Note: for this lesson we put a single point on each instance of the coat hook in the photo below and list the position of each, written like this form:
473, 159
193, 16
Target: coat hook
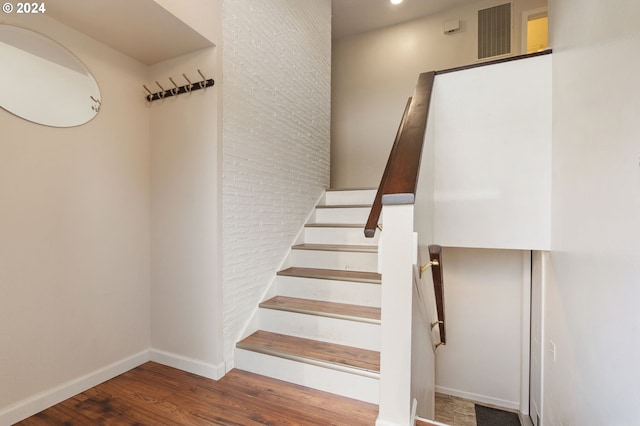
150, 93
203, 84
98, 104
161, 94
187, 88
177, 89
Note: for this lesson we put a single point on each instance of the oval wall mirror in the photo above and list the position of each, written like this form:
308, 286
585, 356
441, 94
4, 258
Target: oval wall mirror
41, 81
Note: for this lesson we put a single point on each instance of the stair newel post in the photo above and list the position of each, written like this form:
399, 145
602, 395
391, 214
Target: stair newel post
397, 259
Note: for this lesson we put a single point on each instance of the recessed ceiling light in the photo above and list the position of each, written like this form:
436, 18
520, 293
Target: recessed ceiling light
396, 1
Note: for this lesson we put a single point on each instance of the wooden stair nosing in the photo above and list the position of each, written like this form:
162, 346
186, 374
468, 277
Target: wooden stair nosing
332, 274
365, 314
337, 247
334, 225
364, 188
272, 344
343, 206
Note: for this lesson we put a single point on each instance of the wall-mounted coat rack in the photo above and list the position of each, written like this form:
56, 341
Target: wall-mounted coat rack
178, 90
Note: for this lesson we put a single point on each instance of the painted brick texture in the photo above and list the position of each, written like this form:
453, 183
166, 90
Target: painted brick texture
276, 118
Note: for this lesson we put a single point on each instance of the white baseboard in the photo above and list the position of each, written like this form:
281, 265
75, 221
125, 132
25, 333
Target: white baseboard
189, 365
502, 403
43, 400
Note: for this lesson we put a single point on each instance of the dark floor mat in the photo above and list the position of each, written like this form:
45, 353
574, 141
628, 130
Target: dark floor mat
486, 416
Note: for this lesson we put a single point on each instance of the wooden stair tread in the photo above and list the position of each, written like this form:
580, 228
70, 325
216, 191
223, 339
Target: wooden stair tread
337, 247
332, 274
343, 206
364, 188
317, 307
334, 225
290, 346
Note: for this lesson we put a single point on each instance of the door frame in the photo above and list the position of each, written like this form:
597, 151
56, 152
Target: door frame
525, 351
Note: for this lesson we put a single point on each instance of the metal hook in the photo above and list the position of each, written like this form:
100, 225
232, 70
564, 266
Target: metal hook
150, 93
176, 89
187, 88
161, 94
96, 107
203, 84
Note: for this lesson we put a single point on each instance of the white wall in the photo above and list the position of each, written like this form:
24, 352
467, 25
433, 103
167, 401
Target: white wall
277, 59
186, 157
374, 73
74, 237
492, 155
482, 358
592, 298
204, 16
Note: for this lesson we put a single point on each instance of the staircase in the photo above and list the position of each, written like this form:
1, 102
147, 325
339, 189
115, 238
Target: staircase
321, 329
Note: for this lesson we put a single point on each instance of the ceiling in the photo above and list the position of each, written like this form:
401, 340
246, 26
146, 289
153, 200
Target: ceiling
118, 22
357, 16
141, 29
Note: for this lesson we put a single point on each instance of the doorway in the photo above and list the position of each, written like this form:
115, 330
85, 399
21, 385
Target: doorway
535, 30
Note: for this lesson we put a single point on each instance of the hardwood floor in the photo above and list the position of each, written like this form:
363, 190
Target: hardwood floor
153, 394
455, 411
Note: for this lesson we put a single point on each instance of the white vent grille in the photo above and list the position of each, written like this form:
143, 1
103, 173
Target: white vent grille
494, 31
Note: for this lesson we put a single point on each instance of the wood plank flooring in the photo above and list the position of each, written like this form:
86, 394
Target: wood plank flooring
424, 423
455, 411
153, 394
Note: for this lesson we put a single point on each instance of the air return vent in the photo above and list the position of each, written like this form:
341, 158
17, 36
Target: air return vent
494, 31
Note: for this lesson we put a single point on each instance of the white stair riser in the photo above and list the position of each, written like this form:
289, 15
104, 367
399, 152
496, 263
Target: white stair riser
355, 293
325, 379
341, 215
345, 260
320, 235
342, 198
342, 332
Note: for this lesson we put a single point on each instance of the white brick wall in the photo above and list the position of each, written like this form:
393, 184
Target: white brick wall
276, 107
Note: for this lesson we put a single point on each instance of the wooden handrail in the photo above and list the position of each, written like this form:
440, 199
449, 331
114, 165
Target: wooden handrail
400, 177
435, 255
495, 61
376, 208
